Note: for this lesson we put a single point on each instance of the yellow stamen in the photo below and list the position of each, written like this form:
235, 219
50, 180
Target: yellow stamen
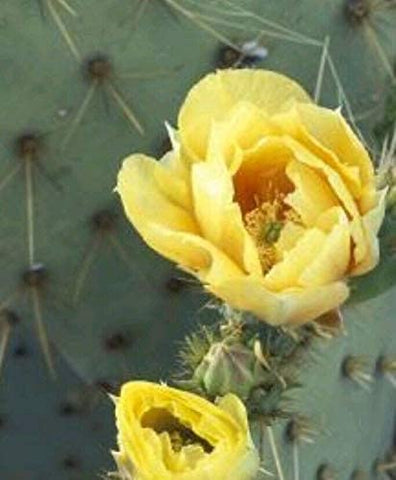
264, 224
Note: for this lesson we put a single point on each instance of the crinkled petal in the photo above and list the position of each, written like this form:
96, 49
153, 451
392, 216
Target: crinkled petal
245, 126
333, 259
312, 195
339, 188
219, 217
372, 222
154, 214
290, 234
165, 226
215, 96
320, 256
327, 135
286, 273
150, 455
231, 404
330, 130
262, 173
295, 306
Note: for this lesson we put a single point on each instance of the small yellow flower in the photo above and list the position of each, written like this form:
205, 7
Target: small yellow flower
169, 434
267, 198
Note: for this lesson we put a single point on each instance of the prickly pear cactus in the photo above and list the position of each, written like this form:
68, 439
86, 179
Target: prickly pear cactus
84, 304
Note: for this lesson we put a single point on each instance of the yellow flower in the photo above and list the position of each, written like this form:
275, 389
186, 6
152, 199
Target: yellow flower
267, 198
169, 434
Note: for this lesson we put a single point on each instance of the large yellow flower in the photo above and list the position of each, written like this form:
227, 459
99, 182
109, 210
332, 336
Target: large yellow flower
168, 434
267, 198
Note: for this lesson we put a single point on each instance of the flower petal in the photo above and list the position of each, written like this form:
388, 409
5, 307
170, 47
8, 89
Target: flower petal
312, 195
243, 128
214, 96
286, 273
320, 256
372, 222
339, 188
295, 306
327, 135
333, 259
261, 175
149, 454
220, 218
153, 213
231, 404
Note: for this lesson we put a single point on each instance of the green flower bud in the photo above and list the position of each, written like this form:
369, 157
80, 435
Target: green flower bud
229, 367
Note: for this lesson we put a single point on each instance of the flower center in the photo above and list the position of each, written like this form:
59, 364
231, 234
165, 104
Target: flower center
264, 224
261, 187
161, 420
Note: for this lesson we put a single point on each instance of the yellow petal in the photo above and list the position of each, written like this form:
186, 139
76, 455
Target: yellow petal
286, 273
327, 135
288, 238
149, 455
333, 259
231, 404
329, 130
145, 184
261, 175
219, 217
243, 128
215, 95
312, 195
339, 188
308, 304
372, 222
295, 306
151, 210
166, 226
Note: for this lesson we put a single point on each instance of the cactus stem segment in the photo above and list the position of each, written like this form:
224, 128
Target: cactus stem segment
266, 472
8, 320
387, 367
296, 461
357, 10
384, 467
360, 13
199, 21
30, 210
140, 10
28, 148
98, 70
258, 351
35, 278
321, 71
67, 37
5, 331
79, 115
125, 108
355, 368
84, 269
326, 472
359, 475
103, 224
329, 325
67, 7
9, 176
372, 38
274, 451
301, 429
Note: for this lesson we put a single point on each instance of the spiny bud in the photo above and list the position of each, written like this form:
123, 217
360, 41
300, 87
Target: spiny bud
229, 367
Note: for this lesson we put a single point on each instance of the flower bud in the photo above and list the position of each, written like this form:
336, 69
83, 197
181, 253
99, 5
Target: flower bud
229, 367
